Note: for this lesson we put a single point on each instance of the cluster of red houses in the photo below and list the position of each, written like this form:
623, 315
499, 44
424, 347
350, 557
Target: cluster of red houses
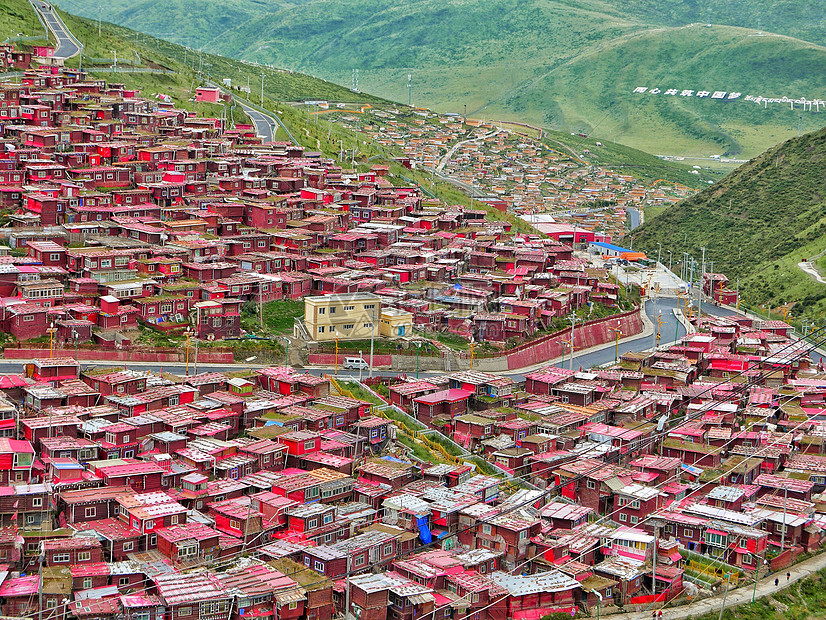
741, 480
121, 486
127, 489
129, 494
131, 211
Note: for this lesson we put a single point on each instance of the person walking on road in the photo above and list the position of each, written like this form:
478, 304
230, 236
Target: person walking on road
788, 577
776, 582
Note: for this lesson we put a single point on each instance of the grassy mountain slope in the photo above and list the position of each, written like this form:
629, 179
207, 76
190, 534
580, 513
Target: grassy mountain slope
569, 65
757, 224
597, 87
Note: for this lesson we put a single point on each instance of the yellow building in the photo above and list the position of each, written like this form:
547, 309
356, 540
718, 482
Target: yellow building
396, 323
346, 316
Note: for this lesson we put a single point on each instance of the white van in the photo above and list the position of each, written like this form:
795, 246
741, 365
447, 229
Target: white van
356, 363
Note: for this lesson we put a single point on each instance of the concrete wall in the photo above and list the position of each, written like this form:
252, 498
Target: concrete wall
123, 355
591, 334
329, 359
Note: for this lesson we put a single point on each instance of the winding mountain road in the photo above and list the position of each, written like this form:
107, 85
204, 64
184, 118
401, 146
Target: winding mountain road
67, 45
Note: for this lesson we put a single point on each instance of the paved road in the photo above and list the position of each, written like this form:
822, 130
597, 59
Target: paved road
633, 218
67, 45
670, 326
809, 268
455, 147
265, 125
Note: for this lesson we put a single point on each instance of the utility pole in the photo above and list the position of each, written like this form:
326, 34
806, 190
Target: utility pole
40, 584
654, 563
700, 292
100, 9
195, 366
410, 86
725, 594
262, 90
659, 327
572, 319
372, 334
783, 531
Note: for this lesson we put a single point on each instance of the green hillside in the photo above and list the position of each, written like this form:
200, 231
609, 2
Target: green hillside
757, 224
568, 65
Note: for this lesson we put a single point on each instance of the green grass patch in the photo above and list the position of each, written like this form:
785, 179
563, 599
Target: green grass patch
361, 393
279, 316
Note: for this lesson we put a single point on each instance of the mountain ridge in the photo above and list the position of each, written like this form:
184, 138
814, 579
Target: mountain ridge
538, 61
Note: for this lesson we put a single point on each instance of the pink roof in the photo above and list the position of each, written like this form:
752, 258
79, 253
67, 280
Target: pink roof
21, 586
451, 395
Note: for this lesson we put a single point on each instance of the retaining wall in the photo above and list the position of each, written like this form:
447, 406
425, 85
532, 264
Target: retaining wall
329, 359
123, 355
591, 334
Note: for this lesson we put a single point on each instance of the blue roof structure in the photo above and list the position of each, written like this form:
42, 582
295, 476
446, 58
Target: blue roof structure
609, 246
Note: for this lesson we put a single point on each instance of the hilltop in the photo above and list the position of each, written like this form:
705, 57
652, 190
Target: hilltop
757, 224
570, 66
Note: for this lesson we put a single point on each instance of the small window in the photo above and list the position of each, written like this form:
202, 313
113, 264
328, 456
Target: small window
129, 545
84, 556
590, 484
90, 512
319, 566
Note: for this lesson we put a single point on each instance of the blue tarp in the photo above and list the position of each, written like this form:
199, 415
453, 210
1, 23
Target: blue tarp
424, 531
392, 459
609, 246
696, 471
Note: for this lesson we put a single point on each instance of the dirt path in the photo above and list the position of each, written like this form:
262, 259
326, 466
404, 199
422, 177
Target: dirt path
809, 267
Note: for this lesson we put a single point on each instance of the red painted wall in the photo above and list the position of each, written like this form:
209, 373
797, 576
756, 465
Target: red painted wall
591, 334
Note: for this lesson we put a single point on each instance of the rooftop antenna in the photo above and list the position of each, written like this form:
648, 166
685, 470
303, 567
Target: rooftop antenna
709, 18
409, 86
